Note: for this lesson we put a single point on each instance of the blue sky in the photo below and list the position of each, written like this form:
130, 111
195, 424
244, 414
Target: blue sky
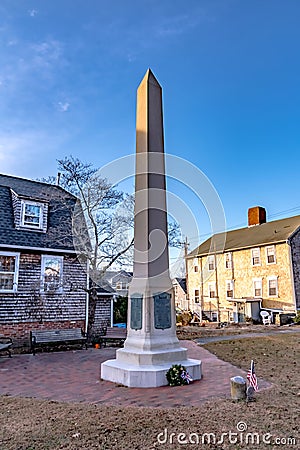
230, 72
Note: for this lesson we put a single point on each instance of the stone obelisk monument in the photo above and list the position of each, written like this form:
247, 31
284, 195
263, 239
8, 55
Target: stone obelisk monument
151, 346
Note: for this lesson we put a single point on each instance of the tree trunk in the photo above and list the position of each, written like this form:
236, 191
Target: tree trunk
92, 311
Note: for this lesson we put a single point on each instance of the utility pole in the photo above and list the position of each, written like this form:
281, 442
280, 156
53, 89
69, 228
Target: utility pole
186, 247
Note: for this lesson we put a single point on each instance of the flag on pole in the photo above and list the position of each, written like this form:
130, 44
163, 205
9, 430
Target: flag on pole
252, 377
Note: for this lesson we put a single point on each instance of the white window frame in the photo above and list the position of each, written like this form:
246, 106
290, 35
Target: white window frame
16, 272
26, 225
272, 247
59, 289
273, 278
195, 264
211, 261
228, 260
256, 249
231, 285
212, 288
257, 280
198, 296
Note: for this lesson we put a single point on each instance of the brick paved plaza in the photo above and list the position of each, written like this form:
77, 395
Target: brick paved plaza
74, 376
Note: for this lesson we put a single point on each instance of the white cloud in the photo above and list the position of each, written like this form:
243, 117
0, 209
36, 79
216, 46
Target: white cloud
46, 54
24, 64
181, 23
63, 107
12, 42
30, 153
32, 12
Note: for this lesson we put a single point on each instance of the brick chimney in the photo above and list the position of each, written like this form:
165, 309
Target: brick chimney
256, 216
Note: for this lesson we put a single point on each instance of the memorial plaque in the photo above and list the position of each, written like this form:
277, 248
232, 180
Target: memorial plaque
162, 311
136, 312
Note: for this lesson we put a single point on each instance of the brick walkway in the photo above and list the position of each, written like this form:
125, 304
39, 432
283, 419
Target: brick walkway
74, 376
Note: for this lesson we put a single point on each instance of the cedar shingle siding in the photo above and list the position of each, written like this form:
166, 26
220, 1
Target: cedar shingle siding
29, 307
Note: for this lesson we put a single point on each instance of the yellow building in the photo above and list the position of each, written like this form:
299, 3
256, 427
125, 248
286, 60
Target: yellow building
233, 275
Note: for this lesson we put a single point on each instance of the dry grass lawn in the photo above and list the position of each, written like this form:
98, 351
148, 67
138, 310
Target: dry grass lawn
28, 424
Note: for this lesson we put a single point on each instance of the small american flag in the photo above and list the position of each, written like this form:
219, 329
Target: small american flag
252, 377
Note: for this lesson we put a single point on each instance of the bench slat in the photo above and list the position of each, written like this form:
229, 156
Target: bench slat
56, 336
5, 347
113, 334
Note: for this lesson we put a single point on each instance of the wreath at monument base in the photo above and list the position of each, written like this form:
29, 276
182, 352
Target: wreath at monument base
177, 375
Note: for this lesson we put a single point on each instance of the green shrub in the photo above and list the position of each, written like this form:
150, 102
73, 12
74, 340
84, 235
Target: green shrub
120, 310
297, 318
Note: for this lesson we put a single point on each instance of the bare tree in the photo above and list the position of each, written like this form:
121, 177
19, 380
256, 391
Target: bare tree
106, 234
105, 237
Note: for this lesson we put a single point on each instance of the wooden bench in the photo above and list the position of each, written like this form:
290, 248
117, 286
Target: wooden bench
57, 337
5, 344
112, 334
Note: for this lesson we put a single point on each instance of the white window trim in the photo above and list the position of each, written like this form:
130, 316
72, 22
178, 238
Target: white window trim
252, 257
211, 258
44, 258
30, 202
212, 285
230, 260
197, 303
259, 280
16, 273
273, 247
232, 285
273, 278
195, 265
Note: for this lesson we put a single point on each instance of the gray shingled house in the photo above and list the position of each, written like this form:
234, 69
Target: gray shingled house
42, 279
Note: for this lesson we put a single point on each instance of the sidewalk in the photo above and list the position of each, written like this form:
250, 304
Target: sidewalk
74, 376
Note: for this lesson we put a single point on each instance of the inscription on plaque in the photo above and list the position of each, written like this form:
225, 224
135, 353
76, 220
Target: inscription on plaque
162, 311
136, 311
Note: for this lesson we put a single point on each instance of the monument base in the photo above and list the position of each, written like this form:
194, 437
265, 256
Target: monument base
145, 376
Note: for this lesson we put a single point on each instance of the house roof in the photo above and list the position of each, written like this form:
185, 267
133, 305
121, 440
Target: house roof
182, 283
115, 276
267, 233
62, 206
105, 288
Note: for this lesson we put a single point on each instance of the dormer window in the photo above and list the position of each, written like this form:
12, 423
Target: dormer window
32, 215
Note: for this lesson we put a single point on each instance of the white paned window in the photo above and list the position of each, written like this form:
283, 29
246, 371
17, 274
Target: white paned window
228, 260
257, 287
197, 297
270, 254
211, 262
229, 289
119, 285
52, 273
255, 256
273, 287
32, 214
212, 290
9, 268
